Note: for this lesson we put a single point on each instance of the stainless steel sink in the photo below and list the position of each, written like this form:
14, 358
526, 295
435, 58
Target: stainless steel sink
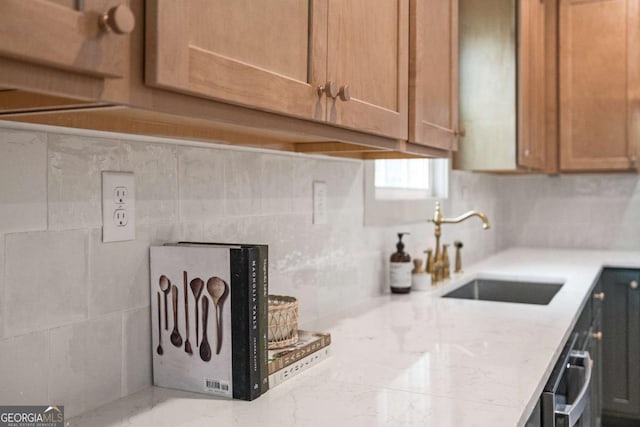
524, 292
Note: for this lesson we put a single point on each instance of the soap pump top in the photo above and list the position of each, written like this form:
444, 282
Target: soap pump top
400, 255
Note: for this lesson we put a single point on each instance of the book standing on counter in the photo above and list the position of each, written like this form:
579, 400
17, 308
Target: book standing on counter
263, 303
219, 316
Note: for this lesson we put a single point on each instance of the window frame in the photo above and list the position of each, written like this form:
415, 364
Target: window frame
386, 212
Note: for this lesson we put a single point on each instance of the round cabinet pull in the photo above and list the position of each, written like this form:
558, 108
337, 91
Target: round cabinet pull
633, 284
460, 132
597, 336
599, 296
329, 88
344, 94
118, 19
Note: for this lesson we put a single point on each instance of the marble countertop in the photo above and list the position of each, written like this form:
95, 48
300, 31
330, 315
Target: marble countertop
414, 359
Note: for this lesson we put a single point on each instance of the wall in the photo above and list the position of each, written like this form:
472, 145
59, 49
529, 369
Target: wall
587, 211
74, 312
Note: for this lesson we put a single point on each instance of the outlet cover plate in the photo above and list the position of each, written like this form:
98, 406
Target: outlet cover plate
118, 206
320, 214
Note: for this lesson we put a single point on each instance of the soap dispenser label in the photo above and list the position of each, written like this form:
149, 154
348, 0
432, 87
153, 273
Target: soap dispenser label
400, 274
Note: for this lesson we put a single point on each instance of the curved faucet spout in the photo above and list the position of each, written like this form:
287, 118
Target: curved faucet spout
482, 216
439, 219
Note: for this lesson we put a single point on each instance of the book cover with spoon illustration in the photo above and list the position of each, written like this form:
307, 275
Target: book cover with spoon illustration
205, 315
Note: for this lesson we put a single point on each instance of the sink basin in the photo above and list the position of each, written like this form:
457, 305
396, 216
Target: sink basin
524, 292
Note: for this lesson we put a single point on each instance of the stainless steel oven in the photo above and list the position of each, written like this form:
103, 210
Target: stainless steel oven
565, 400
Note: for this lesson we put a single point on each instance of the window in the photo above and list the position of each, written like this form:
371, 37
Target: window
401, 191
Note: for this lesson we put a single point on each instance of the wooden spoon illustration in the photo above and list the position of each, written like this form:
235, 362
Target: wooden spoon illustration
159, 349
165, 287
176, 339
218, 289
196, 287
187, 344
205, 350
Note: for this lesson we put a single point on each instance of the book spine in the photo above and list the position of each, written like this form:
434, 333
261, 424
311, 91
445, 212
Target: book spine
254, 348
299, 353
299, 366
244, 335
263, 316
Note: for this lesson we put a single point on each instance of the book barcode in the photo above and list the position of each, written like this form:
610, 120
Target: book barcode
216, 385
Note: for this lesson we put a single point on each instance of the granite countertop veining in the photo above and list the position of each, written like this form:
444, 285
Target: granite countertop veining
410, 360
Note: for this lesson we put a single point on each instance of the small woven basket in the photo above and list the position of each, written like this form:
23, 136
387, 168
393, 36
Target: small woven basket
283, 321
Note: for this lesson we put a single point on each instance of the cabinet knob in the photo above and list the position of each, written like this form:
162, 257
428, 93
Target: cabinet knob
633, 161
118, 19
329, 88
459, 132
343, 93
633, 284
597, 336
598, 296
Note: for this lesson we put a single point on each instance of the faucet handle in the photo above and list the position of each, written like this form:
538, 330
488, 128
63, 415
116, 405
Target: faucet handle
458, 244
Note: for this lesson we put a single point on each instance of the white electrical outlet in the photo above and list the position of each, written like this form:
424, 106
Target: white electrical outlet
320, 215
118, 206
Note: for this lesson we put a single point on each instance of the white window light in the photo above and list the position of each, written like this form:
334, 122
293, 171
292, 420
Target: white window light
401, 191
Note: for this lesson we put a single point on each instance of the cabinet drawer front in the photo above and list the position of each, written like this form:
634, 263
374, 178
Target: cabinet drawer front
45, 32
268, 57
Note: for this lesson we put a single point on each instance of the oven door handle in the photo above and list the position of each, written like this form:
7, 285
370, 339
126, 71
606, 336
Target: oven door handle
574, 411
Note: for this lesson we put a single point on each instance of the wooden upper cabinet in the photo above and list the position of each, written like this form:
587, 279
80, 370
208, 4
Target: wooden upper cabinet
433, 73
599, 84
89, 40
367, 51
269, 56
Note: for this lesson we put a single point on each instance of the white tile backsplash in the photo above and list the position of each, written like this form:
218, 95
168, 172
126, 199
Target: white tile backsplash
23, 178
277, 185
201, 183
118, 272
25, 366
68, 367
136, 363
75, 178
45, 280
103, 360
589, 211
3, 299
156, 176
243, 183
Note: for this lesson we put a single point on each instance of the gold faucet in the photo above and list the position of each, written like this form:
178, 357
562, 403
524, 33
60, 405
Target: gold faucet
438, 220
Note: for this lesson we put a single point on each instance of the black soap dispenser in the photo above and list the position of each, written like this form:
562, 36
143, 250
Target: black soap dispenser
400, 269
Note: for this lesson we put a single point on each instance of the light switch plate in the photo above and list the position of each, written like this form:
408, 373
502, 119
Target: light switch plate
320, 215
118, 206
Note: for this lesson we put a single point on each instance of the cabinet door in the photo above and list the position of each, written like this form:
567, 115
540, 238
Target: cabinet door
271, 56
433, 73
599, 66
621, 342
67, 34
368, 52
531, 85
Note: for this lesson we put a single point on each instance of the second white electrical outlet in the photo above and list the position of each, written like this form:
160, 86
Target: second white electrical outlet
118, 206
320, 215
